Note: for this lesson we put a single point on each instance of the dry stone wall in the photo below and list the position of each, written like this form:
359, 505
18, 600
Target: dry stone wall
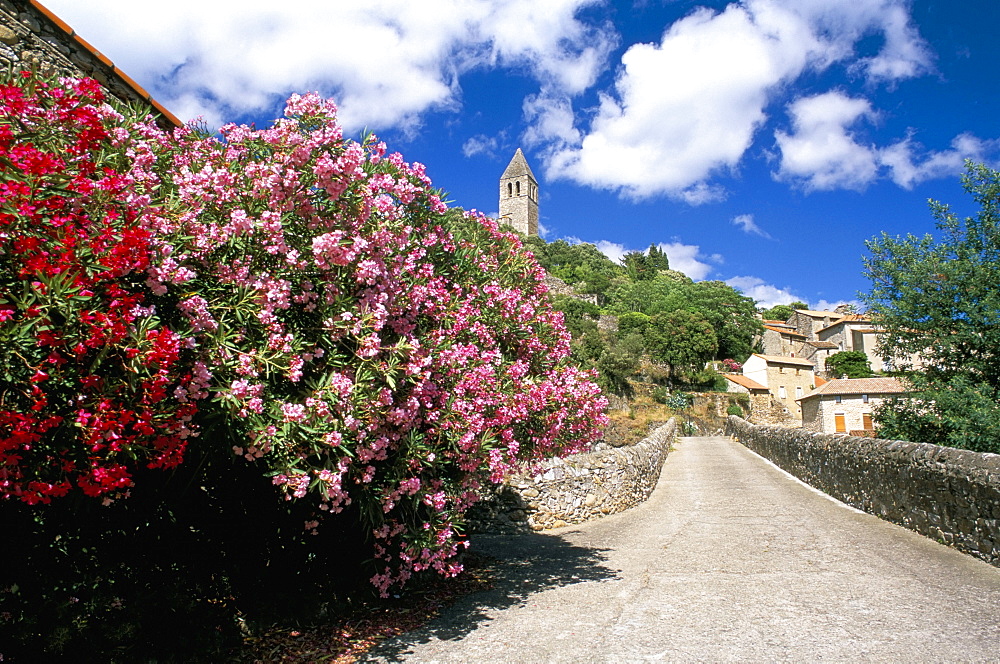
578, 488
944, 493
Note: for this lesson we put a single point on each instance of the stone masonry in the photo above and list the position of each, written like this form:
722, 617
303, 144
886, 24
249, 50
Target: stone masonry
519, 196
581, 487
947, 494
33, 37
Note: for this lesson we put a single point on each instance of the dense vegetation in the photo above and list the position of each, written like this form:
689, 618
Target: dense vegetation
668, 326
850, 363
937, 298
237, 371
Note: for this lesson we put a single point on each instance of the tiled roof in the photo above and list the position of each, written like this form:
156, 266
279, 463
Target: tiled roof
745, 382
818, 314
849, 318
136, 88
822, 344
848, 386
820, 381
781, 359
784, 331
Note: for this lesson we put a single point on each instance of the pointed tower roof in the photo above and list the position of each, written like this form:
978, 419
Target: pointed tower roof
518, 167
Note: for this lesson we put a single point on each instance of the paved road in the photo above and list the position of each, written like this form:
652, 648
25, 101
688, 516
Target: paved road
730, 559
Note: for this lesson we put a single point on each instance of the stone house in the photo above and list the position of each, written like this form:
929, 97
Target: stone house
808, 323
786, 378
853, 332
846, 405
31, 36
817, 352
781, 340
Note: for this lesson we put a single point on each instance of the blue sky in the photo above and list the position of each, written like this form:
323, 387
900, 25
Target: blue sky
758, 142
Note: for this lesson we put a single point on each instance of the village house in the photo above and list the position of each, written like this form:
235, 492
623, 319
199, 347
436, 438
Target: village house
808, 323
846, 405
781, 340
853, 332
817, 352
786, 378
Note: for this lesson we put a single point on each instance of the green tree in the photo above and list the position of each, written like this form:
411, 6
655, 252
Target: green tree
731, 314
782, 311
580, 265
850, 363
645, 265
683, 340
938, 299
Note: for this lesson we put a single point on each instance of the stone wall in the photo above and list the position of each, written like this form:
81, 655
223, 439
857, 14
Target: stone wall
944, 493
33, 37
576, 489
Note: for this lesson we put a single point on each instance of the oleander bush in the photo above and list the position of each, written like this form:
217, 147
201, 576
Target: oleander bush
280, 318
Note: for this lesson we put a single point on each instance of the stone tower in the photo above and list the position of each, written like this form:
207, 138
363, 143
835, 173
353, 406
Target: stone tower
519, 196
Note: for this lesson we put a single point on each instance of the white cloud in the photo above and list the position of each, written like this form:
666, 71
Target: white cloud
821, 153
612, 250
764, 294
480, 144
908, 168
688, 107
749, 226
685, 258
386, 62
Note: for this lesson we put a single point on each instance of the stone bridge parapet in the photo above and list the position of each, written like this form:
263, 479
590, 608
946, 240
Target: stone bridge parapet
947, 494
578, 488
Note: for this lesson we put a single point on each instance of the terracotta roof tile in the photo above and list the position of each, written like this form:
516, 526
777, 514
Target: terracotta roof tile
781, 359
822, 344
847, 386
818, 314
784, 331
745, 382
136, 88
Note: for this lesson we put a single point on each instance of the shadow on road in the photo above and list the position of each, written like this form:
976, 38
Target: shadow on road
523, 564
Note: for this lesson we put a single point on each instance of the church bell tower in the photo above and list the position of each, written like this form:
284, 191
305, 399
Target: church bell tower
519, 196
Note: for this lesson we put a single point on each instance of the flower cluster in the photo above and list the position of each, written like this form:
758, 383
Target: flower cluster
362, 343
89, 371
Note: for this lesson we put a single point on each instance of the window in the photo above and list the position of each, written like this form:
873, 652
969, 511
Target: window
839, 399
839, 423
510, 190
797, 371
781, 369
781, 393
866, 419
798, 391
517, 187
864, 398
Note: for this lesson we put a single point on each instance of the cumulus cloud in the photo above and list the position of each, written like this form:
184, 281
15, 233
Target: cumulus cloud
909, 164
749, 226
821, 153
689, 107
480, 144
764, 294
386, 62
685, 258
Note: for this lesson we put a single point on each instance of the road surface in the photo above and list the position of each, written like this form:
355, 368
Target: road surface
730, 559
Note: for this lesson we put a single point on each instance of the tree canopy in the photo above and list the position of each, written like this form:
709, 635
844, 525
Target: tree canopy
937, 299
850, 363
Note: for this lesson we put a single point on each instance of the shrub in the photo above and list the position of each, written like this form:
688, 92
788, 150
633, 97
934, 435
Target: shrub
734, 409
284, 299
